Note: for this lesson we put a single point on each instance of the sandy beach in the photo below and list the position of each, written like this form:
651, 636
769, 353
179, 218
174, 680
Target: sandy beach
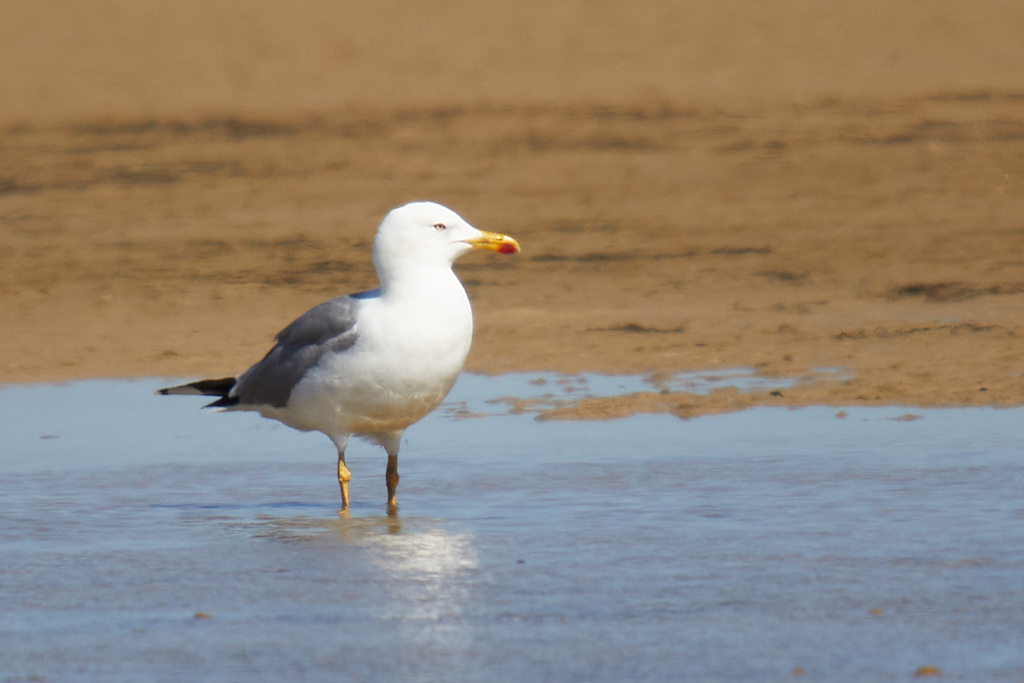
804, 186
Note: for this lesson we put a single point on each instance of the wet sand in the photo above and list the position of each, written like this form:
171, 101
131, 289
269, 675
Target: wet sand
855, 200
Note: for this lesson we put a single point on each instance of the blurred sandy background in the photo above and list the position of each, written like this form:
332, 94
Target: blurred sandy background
74, 61
782, 185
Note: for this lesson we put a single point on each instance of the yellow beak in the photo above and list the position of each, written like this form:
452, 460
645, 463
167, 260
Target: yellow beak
494, 242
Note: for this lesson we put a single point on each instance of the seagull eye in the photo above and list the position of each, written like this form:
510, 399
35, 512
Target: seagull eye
440, 226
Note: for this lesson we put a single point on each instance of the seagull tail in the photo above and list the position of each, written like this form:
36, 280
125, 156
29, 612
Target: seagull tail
206, 387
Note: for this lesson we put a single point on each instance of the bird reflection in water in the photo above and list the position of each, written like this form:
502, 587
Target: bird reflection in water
408, 572
425, 568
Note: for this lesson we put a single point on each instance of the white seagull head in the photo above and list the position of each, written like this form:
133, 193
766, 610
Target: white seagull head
427, 235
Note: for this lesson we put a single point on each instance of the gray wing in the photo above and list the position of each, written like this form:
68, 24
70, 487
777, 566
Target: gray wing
329, 327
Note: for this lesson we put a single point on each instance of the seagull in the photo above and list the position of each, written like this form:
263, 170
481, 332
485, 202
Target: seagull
371, 364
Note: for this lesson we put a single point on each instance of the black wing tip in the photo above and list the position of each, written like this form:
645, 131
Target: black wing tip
204, 387
226, 402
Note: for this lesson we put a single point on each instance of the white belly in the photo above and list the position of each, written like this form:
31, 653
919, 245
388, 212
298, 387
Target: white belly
404, 362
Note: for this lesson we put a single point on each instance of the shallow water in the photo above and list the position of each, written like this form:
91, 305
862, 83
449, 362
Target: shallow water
728, 547
535, 393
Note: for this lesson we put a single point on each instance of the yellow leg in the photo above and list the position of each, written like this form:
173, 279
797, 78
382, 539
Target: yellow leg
343, 476
391, 477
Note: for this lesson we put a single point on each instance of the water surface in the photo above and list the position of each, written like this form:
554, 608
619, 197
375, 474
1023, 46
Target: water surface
728, 547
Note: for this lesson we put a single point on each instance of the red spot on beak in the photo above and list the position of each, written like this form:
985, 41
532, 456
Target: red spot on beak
506, 248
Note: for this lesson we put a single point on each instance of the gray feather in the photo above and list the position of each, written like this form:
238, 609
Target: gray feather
324, 329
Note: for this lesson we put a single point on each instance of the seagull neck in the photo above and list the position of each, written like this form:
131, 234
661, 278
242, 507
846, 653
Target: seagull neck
418, 283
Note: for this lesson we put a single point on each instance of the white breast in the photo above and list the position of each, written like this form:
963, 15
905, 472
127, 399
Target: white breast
411, 346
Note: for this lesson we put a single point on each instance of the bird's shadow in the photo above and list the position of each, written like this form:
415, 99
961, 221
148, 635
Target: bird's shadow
271, 519
276, 505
